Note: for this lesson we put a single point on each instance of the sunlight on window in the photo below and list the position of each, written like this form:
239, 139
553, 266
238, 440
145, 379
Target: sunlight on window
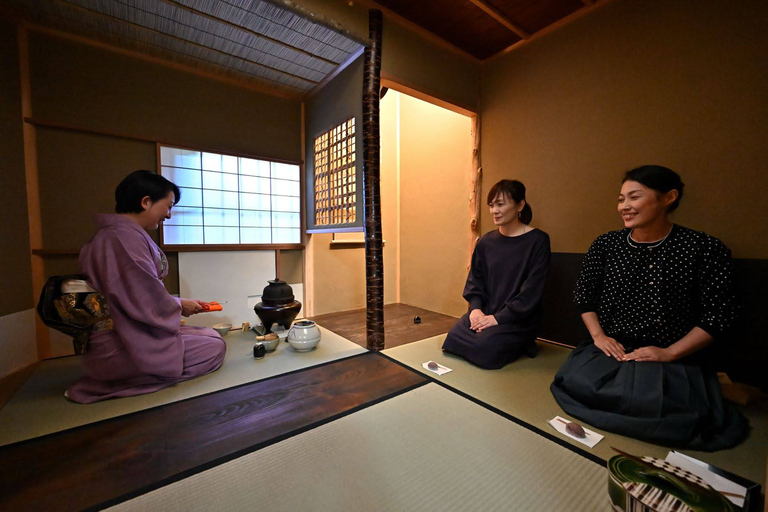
228, 200
335, 180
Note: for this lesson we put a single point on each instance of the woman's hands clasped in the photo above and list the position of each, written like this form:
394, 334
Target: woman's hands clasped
190, 307
479, 321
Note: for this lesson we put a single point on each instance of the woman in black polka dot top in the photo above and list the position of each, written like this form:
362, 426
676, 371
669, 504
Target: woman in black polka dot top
652, 296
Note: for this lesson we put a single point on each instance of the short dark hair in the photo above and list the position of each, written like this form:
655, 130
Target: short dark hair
140, 184
515, 191
658, 178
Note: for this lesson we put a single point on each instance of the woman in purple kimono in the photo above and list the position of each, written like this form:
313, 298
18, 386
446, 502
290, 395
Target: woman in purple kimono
148, 349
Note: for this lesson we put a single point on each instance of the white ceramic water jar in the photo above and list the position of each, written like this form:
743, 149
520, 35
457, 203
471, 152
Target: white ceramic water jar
304, 336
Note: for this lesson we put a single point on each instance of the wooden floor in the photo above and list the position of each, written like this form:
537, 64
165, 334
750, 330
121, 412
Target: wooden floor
399, 328
112, 460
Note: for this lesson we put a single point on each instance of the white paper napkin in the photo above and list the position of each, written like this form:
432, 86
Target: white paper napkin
441, 370
592, 437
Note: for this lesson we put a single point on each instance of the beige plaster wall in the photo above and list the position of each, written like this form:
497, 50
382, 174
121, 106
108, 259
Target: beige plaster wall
681, 84
435, 172
95, 88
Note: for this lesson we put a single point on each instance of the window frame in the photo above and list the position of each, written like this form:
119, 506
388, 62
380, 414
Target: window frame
237, 247
309, 178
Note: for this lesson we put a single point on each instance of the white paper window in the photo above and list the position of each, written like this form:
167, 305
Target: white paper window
229, 200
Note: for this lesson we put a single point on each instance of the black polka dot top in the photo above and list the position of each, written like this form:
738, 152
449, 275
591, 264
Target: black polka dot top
655, 293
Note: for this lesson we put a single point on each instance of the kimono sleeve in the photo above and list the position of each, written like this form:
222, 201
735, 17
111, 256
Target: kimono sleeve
589, 286
716, 298
145, 316
524, 303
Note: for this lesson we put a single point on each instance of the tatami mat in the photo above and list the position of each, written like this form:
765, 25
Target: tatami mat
39, 407
521, 389
428, 449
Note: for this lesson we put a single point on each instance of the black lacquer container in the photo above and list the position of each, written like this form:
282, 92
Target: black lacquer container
278, 306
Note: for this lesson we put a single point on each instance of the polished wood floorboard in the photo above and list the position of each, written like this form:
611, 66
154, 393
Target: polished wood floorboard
399, 328
93, 464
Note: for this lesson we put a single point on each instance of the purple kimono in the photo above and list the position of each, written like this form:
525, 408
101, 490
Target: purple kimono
148, 349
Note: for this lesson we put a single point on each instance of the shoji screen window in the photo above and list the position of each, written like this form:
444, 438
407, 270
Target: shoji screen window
334, 187
231, 200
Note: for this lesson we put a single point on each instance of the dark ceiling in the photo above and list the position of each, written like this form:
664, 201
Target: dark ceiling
483, 28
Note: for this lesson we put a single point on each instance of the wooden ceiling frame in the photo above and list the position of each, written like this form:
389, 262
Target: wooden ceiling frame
391, 82
186, 41
589, 6
501, 18
333, 74
249, 31
389, 14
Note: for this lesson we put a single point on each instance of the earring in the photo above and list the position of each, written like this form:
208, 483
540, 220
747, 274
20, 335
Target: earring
520, 214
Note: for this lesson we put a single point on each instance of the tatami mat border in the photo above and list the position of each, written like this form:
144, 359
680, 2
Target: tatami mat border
122, 416
591, 456
253, 448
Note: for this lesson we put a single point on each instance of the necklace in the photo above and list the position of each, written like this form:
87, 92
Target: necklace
650, 245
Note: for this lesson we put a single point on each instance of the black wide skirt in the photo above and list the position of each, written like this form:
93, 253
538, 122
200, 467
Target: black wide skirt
676, 404
493, 347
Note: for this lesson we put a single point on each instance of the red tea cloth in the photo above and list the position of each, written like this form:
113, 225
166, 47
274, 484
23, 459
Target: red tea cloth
211, 306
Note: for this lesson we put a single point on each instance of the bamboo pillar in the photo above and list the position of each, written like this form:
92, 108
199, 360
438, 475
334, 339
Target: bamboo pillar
374, 259
475, 189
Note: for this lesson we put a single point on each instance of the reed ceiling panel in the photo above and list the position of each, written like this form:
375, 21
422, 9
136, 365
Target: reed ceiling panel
252, 41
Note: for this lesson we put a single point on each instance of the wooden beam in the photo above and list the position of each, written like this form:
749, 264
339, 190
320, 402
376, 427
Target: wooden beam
33, 192
501, 18
588, 2
426, 95
249, 31
548, 29
186, 41
308, 259
374, 260
476, 186
253, 84
333, 74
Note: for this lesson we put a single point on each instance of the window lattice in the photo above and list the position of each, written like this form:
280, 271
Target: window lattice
226, 199
335, 179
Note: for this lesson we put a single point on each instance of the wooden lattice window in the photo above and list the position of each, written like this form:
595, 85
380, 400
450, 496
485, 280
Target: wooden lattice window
335, 179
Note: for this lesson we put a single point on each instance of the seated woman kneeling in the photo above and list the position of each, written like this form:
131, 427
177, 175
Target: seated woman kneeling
148, 349
652, 295
504, 286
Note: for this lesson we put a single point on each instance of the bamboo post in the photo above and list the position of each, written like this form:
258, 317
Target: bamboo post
374, 261
475, 189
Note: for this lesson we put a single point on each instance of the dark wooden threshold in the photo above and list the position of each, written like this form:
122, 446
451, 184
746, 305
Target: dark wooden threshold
107, 462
